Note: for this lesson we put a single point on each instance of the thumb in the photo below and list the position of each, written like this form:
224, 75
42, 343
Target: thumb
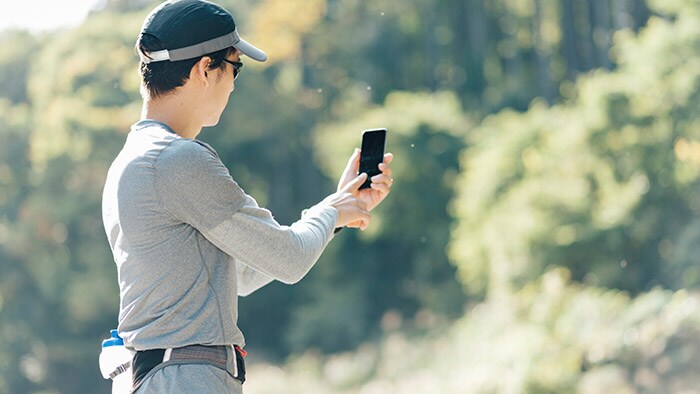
355, 161
354, 185
350, 170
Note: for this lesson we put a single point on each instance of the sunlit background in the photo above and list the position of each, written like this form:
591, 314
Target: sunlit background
46, 15
542, 236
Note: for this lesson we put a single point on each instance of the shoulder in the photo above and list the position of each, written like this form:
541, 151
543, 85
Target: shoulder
185, 155
183, 149
194, 165
191, 180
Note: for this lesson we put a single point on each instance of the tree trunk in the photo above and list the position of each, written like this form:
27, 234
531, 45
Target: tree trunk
542, 57
601, 32
569, 50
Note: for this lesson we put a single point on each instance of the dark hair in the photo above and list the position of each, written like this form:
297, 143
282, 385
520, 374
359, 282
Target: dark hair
161, 78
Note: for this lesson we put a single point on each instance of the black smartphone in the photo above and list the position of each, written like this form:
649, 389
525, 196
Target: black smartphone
372, 153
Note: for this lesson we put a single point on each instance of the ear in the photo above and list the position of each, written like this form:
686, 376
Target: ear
200, 71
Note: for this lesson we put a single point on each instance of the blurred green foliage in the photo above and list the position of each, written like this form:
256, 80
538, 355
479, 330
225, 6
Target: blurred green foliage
550, 336
605, 184
546, 184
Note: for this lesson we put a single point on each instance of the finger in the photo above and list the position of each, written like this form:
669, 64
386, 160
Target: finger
381, 188
385, 169
388, 158
387, 172
362, 222
355, 184
383, 178
359, 225
366, 218
364, 225
355, 224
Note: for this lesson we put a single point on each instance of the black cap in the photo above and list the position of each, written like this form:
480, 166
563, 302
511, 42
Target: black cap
192, 28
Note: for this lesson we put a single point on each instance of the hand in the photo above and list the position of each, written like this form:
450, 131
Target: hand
381, 184
352, 211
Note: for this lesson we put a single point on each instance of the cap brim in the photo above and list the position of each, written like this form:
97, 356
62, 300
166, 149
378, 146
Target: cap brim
250, 50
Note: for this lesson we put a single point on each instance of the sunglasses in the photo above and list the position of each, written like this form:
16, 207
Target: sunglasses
237, 66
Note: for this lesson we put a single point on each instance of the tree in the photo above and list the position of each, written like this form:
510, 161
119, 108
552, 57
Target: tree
605, 184
58, 255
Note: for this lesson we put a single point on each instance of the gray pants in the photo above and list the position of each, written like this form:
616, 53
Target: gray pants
190, 379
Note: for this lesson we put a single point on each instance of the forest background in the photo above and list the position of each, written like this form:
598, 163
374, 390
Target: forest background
542, 236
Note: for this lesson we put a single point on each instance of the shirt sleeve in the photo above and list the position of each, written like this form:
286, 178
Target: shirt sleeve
250, 280
195, 187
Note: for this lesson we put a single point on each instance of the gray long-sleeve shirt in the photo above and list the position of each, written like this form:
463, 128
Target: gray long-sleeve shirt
188, 241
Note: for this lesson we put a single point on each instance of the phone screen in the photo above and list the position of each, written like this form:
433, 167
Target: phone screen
372, 153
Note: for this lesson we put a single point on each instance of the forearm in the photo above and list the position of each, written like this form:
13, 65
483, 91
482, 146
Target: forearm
250, 280
285, 253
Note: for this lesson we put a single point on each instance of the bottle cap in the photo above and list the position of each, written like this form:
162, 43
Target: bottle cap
114, 340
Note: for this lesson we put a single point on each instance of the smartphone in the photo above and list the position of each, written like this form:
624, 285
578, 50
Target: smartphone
372, 153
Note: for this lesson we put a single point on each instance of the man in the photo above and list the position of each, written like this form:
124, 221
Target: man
187, 240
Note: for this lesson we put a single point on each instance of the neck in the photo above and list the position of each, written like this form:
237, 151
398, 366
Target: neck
175, 111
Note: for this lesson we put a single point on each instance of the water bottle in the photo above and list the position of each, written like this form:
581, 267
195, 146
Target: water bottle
115, 363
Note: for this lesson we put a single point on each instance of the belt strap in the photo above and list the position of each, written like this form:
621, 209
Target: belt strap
147, 362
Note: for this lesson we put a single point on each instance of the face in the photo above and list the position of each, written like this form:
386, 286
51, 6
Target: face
222, 84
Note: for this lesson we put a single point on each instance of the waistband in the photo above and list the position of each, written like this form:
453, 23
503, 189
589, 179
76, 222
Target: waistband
228, 358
